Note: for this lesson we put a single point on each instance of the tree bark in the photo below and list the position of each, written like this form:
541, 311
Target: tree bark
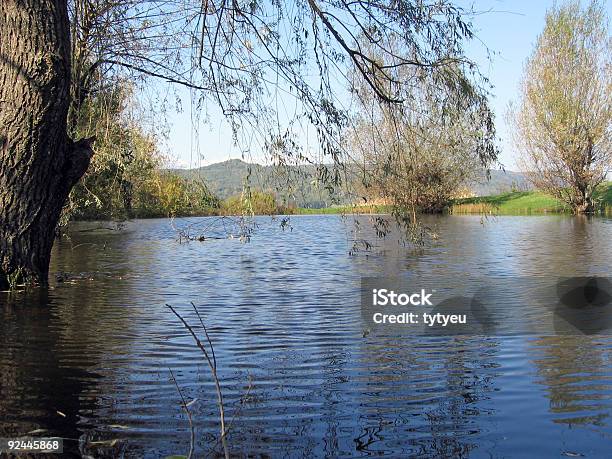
583, 201
39, 163
585, 205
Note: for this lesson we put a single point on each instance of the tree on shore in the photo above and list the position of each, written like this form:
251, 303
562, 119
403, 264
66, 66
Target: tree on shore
39, 162
246, 57
563, 121
420, 154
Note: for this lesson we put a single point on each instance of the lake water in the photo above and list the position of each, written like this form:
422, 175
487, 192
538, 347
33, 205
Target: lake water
90, 358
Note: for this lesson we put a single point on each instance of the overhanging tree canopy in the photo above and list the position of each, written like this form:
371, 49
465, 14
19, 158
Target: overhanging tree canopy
239, 54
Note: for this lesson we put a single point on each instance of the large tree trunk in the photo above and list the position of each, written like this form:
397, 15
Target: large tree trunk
584, 206
39, 164
583, 203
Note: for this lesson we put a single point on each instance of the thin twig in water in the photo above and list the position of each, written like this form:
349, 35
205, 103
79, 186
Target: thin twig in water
237, 413
206, 226
213, 369
212, 349
186, 408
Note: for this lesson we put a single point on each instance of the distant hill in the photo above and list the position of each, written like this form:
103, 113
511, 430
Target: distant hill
291, 184
297, 184
500, 182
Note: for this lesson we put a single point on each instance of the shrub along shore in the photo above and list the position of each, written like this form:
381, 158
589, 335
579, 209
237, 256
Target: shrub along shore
264, 203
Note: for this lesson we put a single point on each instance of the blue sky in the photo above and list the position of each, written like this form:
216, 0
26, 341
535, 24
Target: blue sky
508, 28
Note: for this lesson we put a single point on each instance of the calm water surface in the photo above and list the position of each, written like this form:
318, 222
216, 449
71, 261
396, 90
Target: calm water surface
299, 377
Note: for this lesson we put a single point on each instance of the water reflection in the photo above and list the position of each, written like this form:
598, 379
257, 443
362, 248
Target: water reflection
38, 389
577, 372
284, 313
426, 397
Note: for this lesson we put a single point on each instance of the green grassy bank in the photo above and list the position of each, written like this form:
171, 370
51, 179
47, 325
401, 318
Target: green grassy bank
526, 202
367, 209
513, 203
